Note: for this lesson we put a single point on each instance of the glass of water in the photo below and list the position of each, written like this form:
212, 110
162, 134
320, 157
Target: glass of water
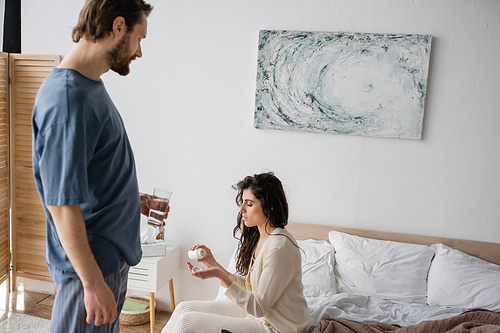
158, 206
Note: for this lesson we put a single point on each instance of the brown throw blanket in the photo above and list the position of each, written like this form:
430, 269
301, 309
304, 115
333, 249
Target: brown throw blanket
472, 321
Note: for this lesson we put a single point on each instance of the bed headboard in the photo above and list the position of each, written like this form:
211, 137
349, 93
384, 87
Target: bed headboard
484, 250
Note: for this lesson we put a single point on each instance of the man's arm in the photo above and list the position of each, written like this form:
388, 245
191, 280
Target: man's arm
99, 299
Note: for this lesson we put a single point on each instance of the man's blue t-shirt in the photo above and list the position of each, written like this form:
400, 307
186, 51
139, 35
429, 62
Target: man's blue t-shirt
82, 156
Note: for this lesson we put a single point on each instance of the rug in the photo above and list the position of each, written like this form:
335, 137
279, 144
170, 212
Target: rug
21, 323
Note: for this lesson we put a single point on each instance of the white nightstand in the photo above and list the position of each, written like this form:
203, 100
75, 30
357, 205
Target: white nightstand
152, 273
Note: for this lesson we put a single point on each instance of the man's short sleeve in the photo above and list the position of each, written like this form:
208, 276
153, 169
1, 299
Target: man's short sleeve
62, 160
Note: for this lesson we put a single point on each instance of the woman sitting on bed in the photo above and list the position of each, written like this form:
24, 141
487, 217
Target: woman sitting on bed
266, 293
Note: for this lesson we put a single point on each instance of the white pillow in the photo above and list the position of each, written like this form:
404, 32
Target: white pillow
458, 279
318, 261
390, 270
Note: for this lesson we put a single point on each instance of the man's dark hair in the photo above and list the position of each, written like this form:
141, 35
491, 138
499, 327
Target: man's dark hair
97, 17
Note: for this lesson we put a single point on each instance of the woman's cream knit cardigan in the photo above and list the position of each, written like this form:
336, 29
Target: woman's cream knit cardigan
274, 291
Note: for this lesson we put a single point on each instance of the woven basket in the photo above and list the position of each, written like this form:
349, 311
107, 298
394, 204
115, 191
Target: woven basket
133, 318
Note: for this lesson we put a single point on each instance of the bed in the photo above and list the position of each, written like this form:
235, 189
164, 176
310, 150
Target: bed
370, 281
453, 277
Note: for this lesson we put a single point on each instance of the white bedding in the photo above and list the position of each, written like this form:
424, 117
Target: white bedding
318, 277
363, 309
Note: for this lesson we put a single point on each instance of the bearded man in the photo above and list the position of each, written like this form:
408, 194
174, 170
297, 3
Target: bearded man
85, 171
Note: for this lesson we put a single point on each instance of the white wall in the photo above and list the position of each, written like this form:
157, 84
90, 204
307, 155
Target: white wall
188, 105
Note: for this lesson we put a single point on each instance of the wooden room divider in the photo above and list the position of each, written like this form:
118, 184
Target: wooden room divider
4, 169
27, 237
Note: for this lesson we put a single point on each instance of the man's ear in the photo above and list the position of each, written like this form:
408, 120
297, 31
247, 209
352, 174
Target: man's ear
119, 26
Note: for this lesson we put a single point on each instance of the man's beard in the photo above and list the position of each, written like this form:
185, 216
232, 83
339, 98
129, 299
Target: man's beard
119, 58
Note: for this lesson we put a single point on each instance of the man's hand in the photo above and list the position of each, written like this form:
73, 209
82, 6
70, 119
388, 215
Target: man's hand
71, 230
144, 205
100, 303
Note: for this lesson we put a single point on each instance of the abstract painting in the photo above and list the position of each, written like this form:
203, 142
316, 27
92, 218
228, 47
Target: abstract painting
344, 83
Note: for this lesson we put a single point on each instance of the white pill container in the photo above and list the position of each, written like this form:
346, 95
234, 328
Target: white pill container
197, 254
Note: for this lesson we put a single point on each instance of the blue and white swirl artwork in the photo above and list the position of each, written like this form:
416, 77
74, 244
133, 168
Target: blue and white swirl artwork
345, 83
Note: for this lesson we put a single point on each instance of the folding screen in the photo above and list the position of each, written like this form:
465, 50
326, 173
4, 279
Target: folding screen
4, 169
27, 73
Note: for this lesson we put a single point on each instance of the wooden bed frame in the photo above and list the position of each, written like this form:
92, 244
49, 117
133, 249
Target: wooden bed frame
484, 250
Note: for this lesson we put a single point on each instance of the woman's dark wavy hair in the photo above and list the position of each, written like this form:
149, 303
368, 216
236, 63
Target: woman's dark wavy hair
267, 188
97, 16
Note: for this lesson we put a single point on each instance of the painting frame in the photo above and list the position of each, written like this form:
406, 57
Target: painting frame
366, 84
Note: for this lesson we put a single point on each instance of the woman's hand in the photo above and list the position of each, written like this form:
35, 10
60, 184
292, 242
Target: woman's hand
212, 272
208, 260
206, 273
